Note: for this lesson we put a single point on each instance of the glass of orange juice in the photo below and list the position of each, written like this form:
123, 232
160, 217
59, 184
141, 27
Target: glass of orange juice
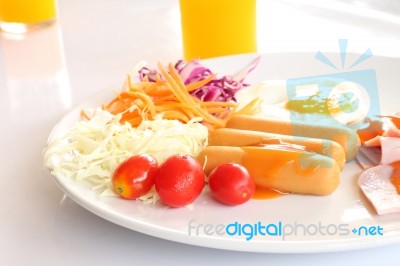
20, 16
212, 28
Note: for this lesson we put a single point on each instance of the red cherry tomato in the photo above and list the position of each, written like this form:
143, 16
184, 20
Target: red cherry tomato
135, 176
231, 184
179, 180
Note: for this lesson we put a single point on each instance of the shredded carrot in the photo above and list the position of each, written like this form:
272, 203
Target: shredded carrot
170, 98
84, 115
195, 85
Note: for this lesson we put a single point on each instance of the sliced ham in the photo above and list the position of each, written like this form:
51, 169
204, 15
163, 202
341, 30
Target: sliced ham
364, 161
368, 157
374, 142
380, 158
392, 132
377, 187
390, 150
394, 118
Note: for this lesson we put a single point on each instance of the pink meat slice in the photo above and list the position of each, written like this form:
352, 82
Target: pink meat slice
377, 187
390, 150
374, 142
392, 132
368, 156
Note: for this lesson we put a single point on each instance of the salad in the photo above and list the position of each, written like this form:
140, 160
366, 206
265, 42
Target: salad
169, 111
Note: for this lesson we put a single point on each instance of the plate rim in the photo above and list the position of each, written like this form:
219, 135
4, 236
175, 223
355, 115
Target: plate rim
264, 246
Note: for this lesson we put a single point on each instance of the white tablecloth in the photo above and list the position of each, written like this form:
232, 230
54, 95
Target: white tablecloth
92, 46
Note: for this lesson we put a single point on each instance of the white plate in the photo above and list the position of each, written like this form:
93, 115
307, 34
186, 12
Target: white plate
333, 215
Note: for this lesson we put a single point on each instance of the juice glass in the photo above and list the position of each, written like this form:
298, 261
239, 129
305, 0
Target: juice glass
20, 16
213, 28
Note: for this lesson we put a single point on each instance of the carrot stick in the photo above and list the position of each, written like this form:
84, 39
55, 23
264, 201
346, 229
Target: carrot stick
169, 96
198, 84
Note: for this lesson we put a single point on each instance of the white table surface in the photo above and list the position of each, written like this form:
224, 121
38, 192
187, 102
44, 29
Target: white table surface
95, 42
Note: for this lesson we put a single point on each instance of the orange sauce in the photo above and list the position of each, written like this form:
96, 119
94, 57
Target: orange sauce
375, 128
395, 178
283, 157
255, 161
262, 193
267, 172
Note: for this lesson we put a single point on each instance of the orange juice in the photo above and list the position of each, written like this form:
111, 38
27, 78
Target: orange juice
29, 12
213, 28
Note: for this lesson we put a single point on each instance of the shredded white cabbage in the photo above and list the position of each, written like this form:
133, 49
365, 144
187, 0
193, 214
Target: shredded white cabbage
92, 150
